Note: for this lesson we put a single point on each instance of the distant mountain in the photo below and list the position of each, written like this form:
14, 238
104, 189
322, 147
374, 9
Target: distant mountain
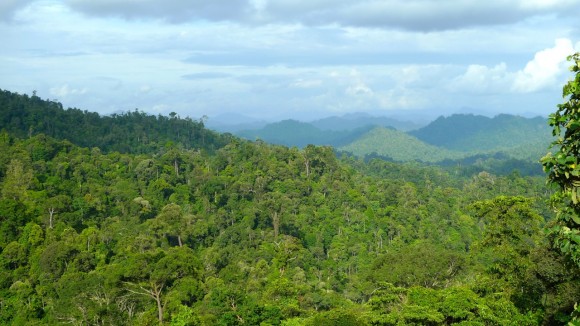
233, 122
461, 138
475, 133
300, 134
357, 120
398, 146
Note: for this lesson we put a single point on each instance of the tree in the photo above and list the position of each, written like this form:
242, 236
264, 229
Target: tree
151, 275
171, 221
563, 167
391, 305
17, 181
511, 232
563, 170
55, 205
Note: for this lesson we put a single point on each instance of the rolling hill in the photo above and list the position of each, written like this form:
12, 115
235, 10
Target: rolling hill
398, 146
475, 133
500, 144
295, 133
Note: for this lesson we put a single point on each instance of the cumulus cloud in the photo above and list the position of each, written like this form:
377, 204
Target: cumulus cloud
66, 91
416, 15
358, 87
480, 79
544, 70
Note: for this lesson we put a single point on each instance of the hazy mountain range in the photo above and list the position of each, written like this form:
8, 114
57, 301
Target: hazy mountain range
238, 123
446, 138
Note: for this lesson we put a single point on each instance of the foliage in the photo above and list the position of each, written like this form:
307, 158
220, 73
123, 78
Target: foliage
392, 305
256, 234
469, 133
562, 167
129, 132
399, 146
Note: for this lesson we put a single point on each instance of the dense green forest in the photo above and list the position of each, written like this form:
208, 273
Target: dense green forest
399, 146
130, 132
134, 219
467, 132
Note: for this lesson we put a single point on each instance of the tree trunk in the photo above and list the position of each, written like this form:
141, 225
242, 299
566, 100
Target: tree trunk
156, 294
50, 217
159, 309
276, 223
153, 292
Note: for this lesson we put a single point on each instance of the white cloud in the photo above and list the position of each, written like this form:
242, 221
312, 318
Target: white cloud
359, 89
307, 83
201, 57
543, 71
65, 91
480, 79
145, 89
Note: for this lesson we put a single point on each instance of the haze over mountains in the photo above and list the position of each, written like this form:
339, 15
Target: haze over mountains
235, 122
446, 138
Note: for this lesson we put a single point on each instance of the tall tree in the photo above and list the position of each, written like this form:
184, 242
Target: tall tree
563, 167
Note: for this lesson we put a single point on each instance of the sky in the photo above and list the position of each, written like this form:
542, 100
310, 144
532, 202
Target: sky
300, 59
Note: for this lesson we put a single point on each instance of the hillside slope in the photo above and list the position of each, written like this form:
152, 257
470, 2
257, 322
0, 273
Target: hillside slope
295, 133
399, 146
131, 132
258, 234
471, 133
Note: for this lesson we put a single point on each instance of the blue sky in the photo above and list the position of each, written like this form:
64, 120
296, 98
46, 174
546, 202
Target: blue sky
305, 59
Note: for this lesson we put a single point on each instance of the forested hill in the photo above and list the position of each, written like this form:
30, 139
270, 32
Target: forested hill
258, 234
459, 138
398, 146
471, 133
131, 132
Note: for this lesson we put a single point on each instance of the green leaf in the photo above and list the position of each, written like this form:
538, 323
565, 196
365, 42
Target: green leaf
575, 238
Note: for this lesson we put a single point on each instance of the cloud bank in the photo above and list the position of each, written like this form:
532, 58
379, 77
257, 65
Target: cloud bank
9, 7
291, 58
414, 15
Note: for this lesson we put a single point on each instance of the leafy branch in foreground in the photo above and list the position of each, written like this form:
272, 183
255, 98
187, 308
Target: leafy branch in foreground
563, 169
